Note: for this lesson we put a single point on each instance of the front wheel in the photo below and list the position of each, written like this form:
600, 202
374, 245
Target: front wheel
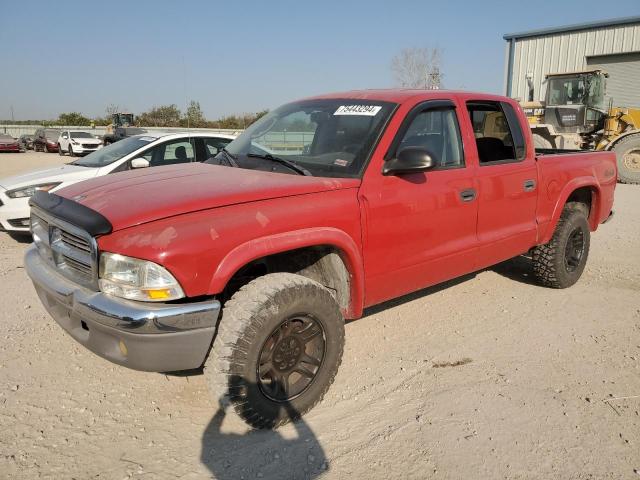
278, 348
560, 263
60, 151
71, 154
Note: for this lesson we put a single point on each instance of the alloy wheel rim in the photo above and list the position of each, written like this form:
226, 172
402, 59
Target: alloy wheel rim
291, 358
574, 250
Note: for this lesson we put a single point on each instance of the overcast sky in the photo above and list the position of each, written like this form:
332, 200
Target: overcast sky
236, 57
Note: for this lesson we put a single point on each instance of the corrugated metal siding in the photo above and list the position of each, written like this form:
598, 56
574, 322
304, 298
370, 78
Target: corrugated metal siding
565, 52
623, 84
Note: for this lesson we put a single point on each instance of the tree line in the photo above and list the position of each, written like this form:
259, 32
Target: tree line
157, 116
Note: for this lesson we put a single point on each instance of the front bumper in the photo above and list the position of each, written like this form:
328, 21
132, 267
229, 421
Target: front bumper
80, 150
139, 335
12, 211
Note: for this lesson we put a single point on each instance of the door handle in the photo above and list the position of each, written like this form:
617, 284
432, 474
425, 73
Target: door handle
468, 195
529, 185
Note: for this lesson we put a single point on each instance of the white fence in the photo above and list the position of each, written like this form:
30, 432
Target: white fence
18, 130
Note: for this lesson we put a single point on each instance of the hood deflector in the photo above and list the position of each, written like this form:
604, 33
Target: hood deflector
83, 217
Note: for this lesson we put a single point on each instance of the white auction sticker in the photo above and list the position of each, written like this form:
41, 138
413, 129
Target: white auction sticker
367, 110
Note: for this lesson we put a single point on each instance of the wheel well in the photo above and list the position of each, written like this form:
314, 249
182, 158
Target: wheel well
321, 263
584, 195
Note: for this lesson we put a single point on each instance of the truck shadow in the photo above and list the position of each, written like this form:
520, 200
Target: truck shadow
410, 297
268, 454
519, 269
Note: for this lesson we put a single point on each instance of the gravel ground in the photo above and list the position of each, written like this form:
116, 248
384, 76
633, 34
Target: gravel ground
489, 376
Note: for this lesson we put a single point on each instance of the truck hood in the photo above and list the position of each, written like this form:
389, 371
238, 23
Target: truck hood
63, 173
132, 198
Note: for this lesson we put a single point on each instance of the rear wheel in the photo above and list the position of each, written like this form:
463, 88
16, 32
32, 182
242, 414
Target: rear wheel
278, 348
628, 157
560, 263
46, 148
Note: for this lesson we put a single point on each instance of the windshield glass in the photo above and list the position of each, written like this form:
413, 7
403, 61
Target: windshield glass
327, 137
81, 135
113, 152
577, 90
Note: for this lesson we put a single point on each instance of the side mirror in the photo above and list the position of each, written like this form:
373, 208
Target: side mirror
409, 160
139, 163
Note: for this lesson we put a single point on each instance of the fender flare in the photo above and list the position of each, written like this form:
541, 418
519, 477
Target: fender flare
282, 242
566, 192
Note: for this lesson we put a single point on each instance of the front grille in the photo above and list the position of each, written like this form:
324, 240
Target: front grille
72, 251
89, 145
74, 241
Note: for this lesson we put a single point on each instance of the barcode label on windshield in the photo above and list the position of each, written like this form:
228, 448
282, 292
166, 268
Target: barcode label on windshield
366, 110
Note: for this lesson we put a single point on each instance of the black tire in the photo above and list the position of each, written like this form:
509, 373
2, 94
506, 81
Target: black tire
628, 158
60, 151
71, 154
46, 148
560, 263
250, 319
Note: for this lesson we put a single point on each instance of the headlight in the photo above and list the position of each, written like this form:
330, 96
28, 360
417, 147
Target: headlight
136, 279
31, 190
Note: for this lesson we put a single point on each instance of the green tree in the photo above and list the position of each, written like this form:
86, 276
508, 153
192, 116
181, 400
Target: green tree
194, 116
73, 119
162, 116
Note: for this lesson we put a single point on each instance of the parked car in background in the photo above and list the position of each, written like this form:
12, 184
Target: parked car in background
77, 143
134, 152
26, 142
8, 143
46, 140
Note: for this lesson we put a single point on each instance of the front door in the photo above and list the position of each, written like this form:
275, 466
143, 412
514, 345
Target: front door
420, 228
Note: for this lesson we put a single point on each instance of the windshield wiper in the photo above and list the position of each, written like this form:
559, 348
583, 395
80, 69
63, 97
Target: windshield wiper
287, 163
230, 157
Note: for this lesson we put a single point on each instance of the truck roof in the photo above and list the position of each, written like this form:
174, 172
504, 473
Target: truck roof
401, 95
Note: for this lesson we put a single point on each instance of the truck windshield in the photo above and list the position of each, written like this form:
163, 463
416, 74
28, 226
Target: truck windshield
576, 90
326, 137
111, 153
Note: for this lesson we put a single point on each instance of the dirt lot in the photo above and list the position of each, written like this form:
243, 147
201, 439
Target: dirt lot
487, 377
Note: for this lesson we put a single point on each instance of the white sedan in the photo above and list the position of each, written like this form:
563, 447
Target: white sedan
77, 143
139, 151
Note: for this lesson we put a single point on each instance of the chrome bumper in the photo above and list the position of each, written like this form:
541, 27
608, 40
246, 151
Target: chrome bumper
139, 335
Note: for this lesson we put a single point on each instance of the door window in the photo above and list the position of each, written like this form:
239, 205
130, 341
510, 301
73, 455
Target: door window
177, 151
499, 137
437, 131
214, 144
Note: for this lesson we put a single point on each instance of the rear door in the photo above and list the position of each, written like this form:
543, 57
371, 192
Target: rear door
507, 182
420, 228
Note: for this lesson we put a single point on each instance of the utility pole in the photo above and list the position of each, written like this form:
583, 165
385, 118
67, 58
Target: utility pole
12, 119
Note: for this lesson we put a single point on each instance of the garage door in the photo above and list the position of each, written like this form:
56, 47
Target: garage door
623, 84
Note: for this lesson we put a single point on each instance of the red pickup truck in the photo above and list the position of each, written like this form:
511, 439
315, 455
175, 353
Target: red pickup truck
249, 263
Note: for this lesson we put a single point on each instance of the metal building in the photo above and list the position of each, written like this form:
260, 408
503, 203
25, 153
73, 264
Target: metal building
612, 45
